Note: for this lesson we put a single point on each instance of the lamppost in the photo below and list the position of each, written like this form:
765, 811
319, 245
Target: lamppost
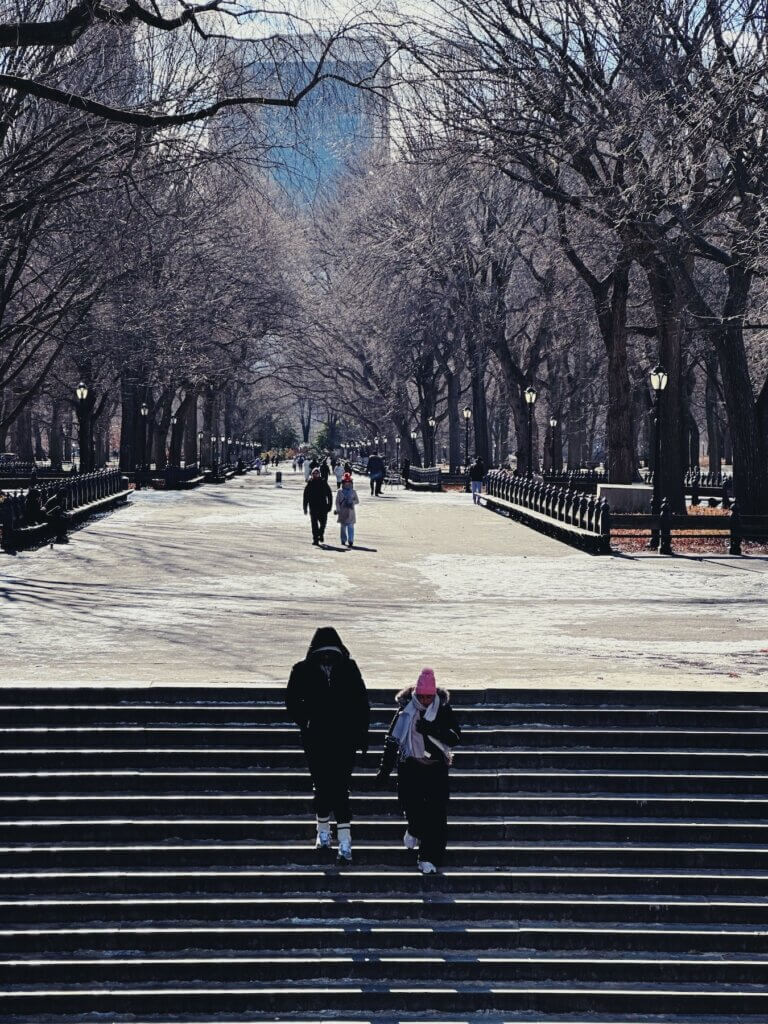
82, 415
376, 442
384, 441
467, 418
397, 451
174, 421
433, 424
530, 398
659, 380
144, 410
553, 426
214, 439
415, 446
199, 447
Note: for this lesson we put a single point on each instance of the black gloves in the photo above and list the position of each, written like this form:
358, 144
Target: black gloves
423, 726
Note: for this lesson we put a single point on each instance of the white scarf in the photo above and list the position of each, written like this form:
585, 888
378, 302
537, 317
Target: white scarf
409, 739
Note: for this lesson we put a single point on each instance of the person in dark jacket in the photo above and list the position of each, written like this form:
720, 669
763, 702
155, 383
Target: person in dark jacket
477, 474
328, 701
420, 742
376, 471
318, 501
405, 472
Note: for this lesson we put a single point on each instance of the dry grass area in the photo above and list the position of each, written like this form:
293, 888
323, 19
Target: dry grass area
697, 542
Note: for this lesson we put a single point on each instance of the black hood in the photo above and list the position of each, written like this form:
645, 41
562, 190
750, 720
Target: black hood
326, 636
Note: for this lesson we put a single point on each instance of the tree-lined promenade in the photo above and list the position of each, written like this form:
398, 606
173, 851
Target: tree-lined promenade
223, 585
553, 199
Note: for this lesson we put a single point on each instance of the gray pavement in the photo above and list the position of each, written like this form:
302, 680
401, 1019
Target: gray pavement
222, 585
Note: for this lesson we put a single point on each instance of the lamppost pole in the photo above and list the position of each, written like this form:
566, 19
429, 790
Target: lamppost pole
83, 427
415, 446
467, 418
433, 426
553, 425
199, 448
659, 378
174, 421
142, 470
530, 398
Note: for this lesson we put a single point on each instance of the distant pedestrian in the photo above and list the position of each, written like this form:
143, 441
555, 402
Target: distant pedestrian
376, 469
420, 741
327, 699
309, 465
477, 473
325, 469
338, 472
346, 499
405, 472
318, 501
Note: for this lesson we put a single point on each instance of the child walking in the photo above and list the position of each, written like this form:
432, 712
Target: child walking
346, 499
420, 741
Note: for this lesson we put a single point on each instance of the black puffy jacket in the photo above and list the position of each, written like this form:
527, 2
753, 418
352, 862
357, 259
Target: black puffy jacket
331, 710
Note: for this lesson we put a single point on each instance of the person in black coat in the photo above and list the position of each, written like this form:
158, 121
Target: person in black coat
327, 699
376, 471
420, 742
477, 473
318, 501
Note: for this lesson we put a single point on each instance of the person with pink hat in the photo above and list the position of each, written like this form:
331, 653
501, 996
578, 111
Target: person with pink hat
420, 743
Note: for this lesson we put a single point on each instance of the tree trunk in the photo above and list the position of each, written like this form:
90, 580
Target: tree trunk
711, 405
55, 446
454, 426
667, 304
191, 453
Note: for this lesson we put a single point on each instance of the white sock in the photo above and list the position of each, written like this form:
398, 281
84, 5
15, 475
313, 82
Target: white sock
344, 834
323, 825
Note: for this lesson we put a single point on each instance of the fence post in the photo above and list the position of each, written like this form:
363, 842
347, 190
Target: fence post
665, 534
604, 544
695, 489
726, 495
735, 546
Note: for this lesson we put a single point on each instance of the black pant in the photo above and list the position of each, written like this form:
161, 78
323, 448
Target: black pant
423, 792
331, 772
376, 485
318, 520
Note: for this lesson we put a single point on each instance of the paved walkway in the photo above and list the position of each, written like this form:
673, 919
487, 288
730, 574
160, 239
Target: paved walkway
222, 585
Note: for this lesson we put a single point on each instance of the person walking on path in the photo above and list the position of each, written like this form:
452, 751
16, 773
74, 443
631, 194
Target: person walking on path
477, 474
405, 472
318, 501
376, 470
346, 499
338, 472
327, 699
420, 742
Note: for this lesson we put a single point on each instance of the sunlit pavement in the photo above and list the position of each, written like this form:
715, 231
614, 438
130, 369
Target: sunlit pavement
223, 585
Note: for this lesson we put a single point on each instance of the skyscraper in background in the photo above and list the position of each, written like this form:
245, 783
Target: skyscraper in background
342, 118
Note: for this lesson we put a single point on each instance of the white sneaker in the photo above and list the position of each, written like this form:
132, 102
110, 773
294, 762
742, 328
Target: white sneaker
323, 841
411, 842
345, 853
426, 867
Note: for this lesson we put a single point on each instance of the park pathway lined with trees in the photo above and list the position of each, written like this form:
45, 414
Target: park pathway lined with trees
225, 587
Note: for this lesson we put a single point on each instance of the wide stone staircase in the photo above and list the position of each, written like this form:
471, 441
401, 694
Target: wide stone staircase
608, 861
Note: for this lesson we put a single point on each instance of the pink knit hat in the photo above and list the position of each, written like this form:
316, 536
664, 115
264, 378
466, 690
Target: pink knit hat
426, 683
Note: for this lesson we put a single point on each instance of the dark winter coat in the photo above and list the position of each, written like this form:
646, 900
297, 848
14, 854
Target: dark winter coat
317, 496
477, 471
445, 728
331, 711
376, 467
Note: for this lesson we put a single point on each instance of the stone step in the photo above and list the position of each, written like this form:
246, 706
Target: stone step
698, 1001
224, 828
119, 781
509, 855
479, 759
214, 695
490, 806
245, 736
454, 935
174, 715
430, 905
396, 968
127, 884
